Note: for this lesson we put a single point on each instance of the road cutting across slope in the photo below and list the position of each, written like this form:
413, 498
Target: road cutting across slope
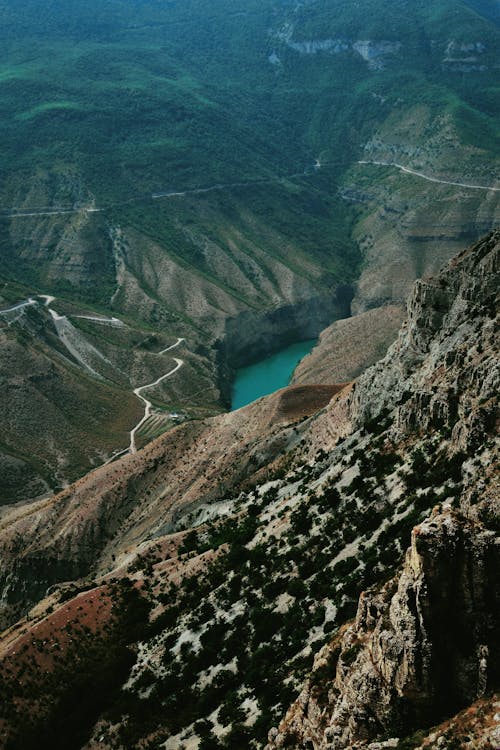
148, 405
423, 176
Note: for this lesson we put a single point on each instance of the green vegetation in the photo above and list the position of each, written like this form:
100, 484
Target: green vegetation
237, 629
114, 101
89, 667
109, 103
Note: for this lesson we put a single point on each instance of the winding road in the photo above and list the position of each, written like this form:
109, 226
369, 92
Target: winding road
174, 346
423, 176
19, 213
48, 299
15, 308
137, 391
101, 320
148, 405
19, 306
62, 319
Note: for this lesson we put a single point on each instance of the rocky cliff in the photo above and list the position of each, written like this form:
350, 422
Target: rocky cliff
419, 649
442, 372
425, 644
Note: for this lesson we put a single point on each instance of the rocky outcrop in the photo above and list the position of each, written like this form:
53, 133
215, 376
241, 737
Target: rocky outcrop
251, 335
462, 57
423, 646
419, 649
373, 52
477, 727
312, 46
442, 372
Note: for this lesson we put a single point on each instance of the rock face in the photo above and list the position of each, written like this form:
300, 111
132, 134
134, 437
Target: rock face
425, 645
373, 52
252, 336
419, 649
442, 372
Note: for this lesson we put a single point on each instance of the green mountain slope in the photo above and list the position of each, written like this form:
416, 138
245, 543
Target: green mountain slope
145, 97
106, 106
119, 101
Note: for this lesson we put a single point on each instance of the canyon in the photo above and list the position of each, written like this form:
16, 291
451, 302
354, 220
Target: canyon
188, 188
266, 235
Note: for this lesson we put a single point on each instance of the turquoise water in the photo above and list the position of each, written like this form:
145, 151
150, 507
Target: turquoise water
269, 374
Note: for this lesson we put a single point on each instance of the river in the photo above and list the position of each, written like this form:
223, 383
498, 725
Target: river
269, 374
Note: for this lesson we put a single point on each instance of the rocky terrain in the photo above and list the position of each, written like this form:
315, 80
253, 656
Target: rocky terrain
425, 644
318, 569
420, 648
227, 562
50, 435
411, 226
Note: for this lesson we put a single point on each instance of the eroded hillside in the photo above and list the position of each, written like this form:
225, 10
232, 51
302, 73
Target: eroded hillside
237, 548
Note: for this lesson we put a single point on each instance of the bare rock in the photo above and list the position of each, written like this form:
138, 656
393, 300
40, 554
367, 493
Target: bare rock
419, 649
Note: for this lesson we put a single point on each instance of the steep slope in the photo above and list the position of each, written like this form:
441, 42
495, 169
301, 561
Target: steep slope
251, 536
420, 648
347, 347
93, 525
426, 644
58, 420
